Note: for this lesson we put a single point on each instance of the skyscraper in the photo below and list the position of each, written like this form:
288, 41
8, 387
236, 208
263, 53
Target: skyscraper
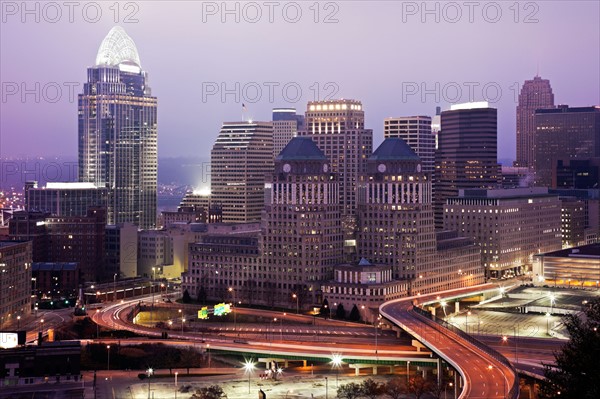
467, 153
302, 226
416, 131
286, 124
118, 132
535, 94
564, 133
240, 160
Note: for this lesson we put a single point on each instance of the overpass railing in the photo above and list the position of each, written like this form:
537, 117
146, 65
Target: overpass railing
513, 393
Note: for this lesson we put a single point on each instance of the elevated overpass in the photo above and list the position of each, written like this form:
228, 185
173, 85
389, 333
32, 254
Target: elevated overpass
485, 373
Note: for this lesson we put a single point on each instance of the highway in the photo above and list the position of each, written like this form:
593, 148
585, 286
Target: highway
484, 376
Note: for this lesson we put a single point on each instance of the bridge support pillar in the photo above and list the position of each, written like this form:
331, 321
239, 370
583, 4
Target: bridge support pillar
304, 363
456, 307
391, 369
374, 370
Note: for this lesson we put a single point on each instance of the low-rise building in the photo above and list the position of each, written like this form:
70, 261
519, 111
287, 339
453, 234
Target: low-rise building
577, 267
15, 280
55, 279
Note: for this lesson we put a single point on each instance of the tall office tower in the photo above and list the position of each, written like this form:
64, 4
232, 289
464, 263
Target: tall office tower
118, 132
564, 133
395, 211
241, 158
535, 94
337, 127
436, 124
286, 124
416, 131
302, 231
467, 153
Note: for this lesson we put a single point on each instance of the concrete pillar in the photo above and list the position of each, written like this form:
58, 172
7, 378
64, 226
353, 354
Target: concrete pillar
456, 307
391, 369
357, 371
304, 363
432, 309
374, 370
424, 373
285, 364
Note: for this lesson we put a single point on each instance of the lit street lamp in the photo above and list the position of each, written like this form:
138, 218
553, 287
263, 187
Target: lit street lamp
297, 305
326, 388
176, 384
547, 323
18, 322
249, 367
336, 361
231, 290
182, 322
149, 373
108, 357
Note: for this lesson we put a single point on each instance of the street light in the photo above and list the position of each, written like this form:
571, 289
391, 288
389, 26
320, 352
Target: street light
97, 330
249, 367
149, 372
547, 323
297, 305
230, 289
182, 321
18, 322
114, 289
467, 320
336, 361
153, 278
326, 388
108, 357
176, 384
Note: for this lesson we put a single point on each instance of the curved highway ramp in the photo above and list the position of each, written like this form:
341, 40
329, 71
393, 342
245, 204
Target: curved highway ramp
485, 373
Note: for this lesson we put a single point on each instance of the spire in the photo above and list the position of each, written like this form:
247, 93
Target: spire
117, 48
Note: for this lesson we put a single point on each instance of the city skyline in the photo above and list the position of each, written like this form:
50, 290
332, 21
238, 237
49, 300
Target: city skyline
387, 89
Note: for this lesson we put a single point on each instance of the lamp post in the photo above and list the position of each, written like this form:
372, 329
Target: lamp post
547, 323
182, 322
249, 366
152, 288
467, 320
149, 372
18, 322
326, 388
231, 290
365, 313
114, 288
297, 304
97, 330
336, 361
176, 384
108, 357
407, 371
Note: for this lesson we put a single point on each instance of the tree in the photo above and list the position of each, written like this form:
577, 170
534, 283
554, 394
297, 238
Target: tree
576, 369
354, 314
396, 388
418, 386
371, 389
351, 390
202, 295
186, 297
437, 389
210, 392
340, 312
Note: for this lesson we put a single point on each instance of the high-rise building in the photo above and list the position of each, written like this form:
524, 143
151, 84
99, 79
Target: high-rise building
467, 153
535, 94
395, 211
286, 124
416, 131
302, 236
564, 133
510, 226
576, 173
338, 129
241, 158
65, 199
15, 280
118, 132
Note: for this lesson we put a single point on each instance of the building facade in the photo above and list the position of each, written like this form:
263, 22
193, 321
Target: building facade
576, 267
416, 131
117, 118
65, 199
535, 94
240, 159
121, 250
15, 280
564, 133
286, 124
510, 226
467, 153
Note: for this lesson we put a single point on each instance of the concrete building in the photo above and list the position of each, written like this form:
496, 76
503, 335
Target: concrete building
416, 131
31, 226
155, 251
64, 199
56, 279
240, 159
572, 221
15, 280
118, 132
579, 174
467, 153
79, 239
590, 199
286, 124
564, 134
395, 210
364, 285
121, 250
576, 267
338, 129
535, 94
509, 225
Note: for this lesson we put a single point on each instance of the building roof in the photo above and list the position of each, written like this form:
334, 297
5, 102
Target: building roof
591, 251
301, 149
394, 149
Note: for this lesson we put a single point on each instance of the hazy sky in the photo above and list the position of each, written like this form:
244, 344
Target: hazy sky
384, 53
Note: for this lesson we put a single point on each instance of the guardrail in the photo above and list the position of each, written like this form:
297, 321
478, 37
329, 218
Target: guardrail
513, 393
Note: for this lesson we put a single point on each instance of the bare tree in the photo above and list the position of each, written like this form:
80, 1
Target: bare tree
396, 388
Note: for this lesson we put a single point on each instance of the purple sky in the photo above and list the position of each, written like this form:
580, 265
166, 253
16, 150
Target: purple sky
370, 54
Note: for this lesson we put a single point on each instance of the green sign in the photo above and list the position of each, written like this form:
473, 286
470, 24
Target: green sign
203, 313
222, 309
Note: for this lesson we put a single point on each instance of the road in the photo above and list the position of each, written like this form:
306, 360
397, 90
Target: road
484, 376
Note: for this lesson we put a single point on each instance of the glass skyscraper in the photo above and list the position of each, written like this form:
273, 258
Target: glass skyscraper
118, 132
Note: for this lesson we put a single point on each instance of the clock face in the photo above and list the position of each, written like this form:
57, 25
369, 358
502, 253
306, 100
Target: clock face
287, 167
325, 168
381, 168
